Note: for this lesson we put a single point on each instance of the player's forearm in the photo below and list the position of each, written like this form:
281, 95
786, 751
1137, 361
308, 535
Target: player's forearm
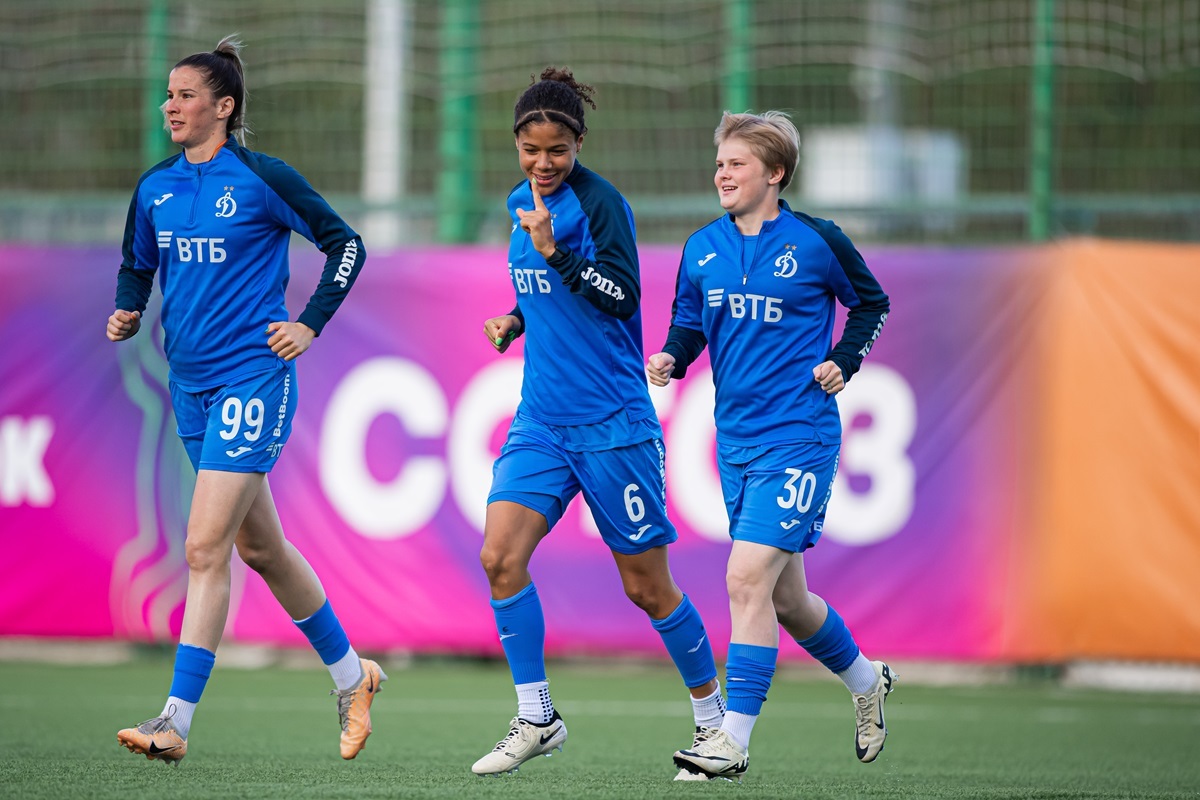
133, 288
864, 323
342, 265
685, 345
610, 286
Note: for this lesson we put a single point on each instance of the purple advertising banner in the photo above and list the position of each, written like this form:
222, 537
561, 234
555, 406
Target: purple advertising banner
403, 405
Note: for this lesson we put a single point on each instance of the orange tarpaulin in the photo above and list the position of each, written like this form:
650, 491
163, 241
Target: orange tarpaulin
1112, 568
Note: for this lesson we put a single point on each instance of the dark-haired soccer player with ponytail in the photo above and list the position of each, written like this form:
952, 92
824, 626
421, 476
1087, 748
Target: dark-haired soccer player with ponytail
214, 222
585, 422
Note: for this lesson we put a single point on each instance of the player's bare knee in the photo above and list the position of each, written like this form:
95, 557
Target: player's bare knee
501, 567
257, 557
746, 589
644, 597
786, 610
204, 556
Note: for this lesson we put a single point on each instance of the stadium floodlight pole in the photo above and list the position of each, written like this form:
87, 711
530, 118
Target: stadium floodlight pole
737, 84
386, 120
155, 141
458, 142
1041, 132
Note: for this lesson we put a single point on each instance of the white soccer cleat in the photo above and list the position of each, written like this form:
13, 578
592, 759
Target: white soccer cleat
684, 775
717, 757
524, 741
870, 730
703, 734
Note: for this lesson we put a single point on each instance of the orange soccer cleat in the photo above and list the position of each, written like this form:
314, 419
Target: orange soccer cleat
354, 708
156, 739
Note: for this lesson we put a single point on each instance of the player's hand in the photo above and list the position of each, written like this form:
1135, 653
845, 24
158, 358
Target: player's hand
289, 339
502, 330
659, 368
537, 223
123, 324
829, 375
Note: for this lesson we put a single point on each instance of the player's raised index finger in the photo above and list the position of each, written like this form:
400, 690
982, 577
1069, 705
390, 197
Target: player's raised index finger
538, 203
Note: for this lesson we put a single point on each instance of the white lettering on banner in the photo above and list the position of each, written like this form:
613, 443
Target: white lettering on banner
487, 401
395, 508
23, 477
878, 451
408, 502
693, 485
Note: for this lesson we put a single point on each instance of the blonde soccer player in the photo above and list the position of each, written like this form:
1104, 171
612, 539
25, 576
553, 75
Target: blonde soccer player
758, 287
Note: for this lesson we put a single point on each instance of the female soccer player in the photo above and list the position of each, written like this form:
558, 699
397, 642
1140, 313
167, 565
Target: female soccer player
585, 422
757, 286
214, 221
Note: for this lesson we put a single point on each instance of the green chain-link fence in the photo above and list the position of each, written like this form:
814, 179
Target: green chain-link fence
922, 120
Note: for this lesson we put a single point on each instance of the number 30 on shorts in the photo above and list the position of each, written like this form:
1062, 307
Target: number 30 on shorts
798, 491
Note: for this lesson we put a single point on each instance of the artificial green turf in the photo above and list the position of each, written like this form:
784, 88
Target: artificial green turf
273, 733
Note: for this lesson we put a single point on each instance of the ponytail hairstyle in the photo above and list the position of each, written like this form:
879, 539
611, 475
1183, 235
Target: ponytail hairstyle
771, 136
556, 98
225, 76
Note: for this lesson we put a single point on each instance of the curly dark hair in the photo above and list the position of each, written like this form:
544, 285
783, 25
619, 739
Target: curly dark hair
555, 97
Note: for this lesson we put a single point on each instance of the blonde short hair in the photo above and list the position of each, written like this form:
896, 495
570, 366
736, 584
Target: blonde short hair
771, 136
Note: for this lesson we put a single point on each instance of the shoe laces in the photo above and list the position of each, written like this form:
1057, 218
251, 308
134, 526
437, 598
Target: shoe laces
345, 700
703, 734
514, 732
158, 724
716, 741
865, 705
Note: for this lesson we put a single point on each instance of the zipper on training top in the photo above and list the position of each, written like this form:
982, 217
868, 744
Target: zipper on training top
196, 196
754, 258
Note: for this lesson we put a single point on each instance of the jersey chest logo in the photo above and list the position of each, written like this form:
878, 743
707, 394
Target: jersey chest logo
786, 263
226, 205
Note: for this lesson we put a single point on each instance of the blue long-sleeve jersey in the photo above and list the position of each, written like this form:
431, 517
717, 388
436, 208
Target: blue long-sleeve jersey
217, 234
764, 305
580, 307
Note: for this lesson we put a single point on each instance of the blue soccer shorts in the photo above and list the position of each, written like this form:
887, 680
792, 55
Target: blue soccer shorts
777, 494
241, 426
624, 487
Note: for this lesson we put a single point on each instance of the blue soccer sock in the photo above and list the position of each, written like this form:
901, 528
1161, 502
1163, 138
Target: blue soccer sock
749, 669
834, 647
325, 633
683, 633
193, 666
522, 630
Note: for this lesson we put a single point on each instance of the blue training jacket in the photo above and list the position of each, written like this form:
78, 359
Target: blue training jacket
217, 234
764, 305
580, 307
